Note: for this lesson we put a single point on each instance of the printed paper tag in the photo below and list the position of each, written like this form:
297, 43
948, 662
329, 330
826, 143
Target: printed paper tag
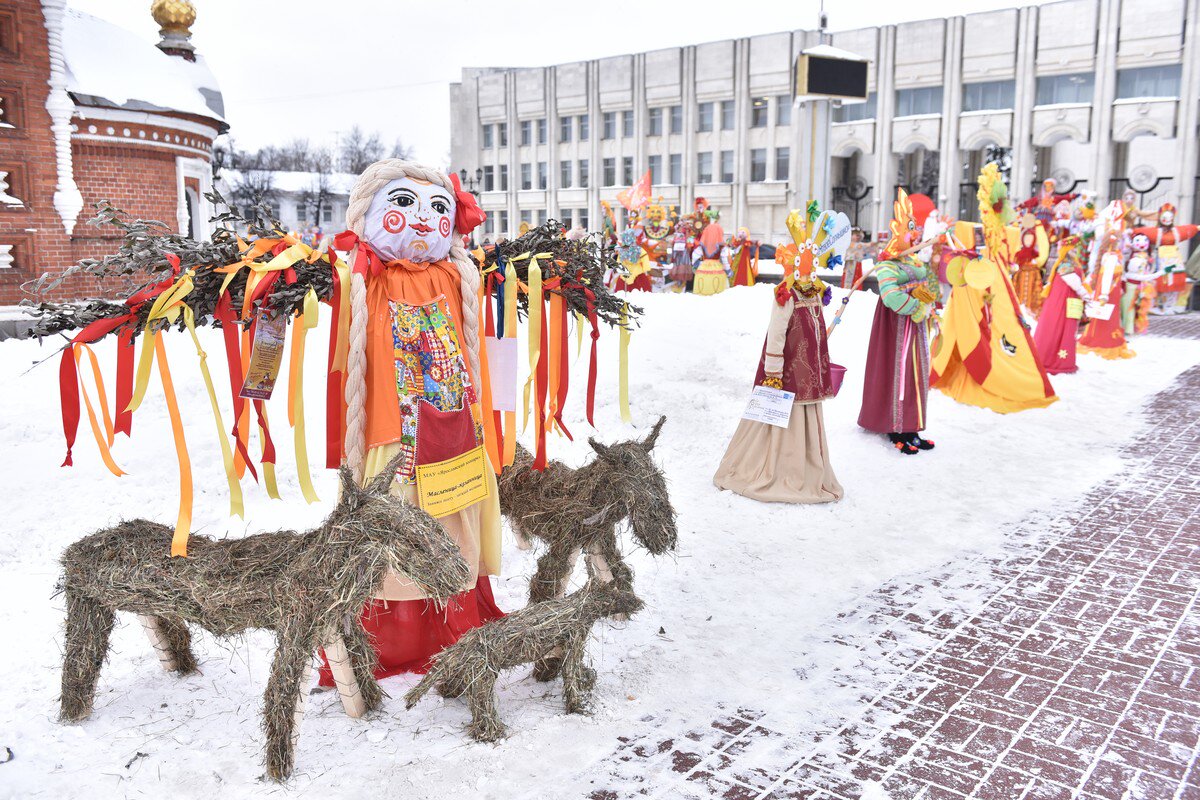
1101, 311
447, 487
266, 357
1074, 308
502, 367
772, 406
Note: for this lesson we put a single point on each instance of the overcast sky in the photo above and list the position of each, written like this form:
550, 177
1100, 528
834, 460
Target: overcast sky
306, 68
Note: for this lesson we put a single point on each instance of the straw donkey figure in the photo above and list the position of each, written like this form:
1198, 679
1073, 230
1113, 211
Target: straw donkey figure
577, 511
310, 588
472, 665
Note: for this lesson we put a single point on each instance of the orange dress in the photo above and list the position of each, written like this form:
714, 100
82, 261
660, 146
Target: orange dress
416, 356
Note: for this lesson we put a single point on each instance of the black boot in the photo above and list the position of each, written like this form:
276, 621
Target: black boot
901, 443
921, 444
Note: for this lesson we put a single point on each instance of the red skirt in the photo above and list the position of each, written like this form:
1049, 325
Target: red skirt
406, 634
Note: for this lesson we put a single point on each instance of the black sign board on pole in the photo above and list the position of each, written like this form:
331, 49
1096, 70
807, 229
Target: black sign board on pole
831, 77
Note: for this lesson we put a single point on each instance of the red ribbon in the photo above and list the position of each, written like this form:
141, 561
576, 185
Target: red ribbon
468, 215
591, 383
489, 331
367, 262
333, 380
564, 371
125, 356
233, 358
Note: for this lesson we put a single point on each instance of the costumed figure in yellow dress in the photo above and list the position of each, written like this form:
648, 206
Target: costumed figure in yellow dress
635, 265
711, 257
791, 464
984, 354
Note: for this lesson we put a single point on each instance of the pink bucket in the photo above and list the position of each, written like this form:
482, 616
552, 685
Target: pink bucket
836, 373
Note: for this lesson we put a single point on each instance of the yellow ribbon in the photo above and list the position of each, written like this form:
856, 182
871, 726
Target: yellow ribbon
626, 416
305, 321
343, 335
535, 328
105, 436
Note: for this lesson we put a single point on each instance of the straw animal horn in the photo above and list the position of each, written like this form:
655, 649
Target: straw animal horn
649, 441
382, 482
601, 449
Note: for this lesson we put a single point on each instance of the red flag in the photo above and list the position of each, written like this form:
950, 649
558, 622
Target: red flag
637, 195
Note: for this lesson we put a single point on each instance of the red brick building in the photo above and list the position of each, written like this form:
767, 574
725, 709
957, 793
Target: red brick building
89, 112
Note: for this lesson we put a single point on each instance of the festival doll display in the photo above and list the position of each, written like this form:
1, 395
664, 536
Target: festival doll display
896, 380
766, 461
711, 257
634, 265
1058, 324
1140, 292
1043, 205
859, 251
984, 355
1104, 335
682, 243
1165, 238
1029, 256
743, 258
409, 377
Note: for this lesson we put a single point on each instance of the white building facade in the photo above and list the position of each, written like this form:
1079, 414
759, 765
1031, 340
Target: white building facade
1100, 95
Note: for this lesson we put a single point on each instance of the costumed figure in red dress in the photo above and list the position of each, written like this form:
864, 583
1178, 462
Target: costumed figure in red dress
1165, 238
896, 379
743, 258
791, 464
1058, 325
1104, 335
1042, 205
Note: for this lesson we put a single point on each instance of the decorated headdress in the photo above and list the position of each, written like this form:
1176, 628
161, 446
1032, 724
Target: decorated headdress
902, 226
820, 239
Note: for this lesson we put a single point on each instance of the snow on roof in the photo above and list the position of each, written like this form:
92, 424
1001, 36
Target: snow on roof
109, 65
296, 182
829, 51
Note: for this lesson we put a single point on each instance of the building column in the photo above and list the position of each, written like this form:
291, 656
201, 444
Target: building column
552, 208
1102, 100
688, 101
514, 174
595, 131
741, 94
885, 110
1023, 100
949, 161
1188, 154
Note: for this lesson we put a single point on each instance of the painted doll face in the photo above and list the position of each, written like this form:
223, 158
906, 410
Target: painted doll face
410, 219
1166, 218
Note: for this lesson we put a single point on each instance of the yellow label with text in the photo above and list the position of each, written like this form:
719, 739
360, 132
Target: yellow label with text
447, 487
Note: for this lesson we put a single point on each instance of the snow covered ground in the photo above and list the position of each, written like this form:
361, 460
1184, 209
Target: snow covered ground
753, 592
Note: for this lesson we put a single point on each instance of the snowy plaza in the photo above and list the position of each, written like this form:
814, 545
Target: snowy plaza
518, 401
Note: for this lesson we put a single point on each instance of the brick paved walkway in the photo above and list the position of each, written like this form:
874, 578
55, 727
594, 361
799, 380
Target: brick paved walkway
1075, 674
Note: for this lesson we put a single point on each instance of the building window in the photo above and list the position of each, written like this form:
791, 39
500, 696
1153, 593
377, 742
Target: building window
782, 162
783, 110
627, 170
564, 129
327, 214
726, 166
502, 223
487, 137
912, 102
301, 213
676, 119
542, 175
728, 110
8, 34
655, 119
504, 177
655, 169
541, 128
988, 95
527, 216
489, 179
502, 129
609, 172
526, 132
582, 218
564, 174
627, 124
855, 112
609, 123
541, 216
583, 173
1055, 89
704, 117
583, 127
758, 164
1148, 82
527, 176
758, 112
566, 219
704, 168
675, 168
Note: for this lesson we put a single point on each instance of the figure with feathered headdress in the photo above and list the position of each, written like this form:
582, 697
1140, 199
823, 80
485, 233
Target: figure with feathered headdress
896, 383
790, 464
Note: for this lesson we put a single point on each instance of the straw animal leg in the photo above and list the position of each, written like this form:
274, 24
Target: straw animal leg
553, 572
452, 686
481, 700
345, 677
578, 678
178, 640
89, 624
362, 656
606, 565
524, 542
283, 695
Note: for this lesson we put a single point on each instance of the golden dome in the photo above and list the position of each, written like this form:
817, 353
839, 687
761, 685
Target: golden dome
174, 16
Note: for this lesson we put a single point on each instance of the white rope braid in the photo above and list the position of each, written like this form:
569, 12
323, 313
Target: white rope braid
374, 178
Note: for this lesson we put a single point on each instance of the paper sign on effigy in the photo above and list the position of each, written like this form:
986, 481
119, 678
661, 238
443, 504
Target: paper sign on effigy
266, 357
1101, 311
502, 367
447, 487
772, 406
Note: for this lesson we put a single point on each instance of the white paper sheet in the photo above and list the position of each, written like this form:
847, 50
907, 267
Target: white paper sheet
502, 367
772, 406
